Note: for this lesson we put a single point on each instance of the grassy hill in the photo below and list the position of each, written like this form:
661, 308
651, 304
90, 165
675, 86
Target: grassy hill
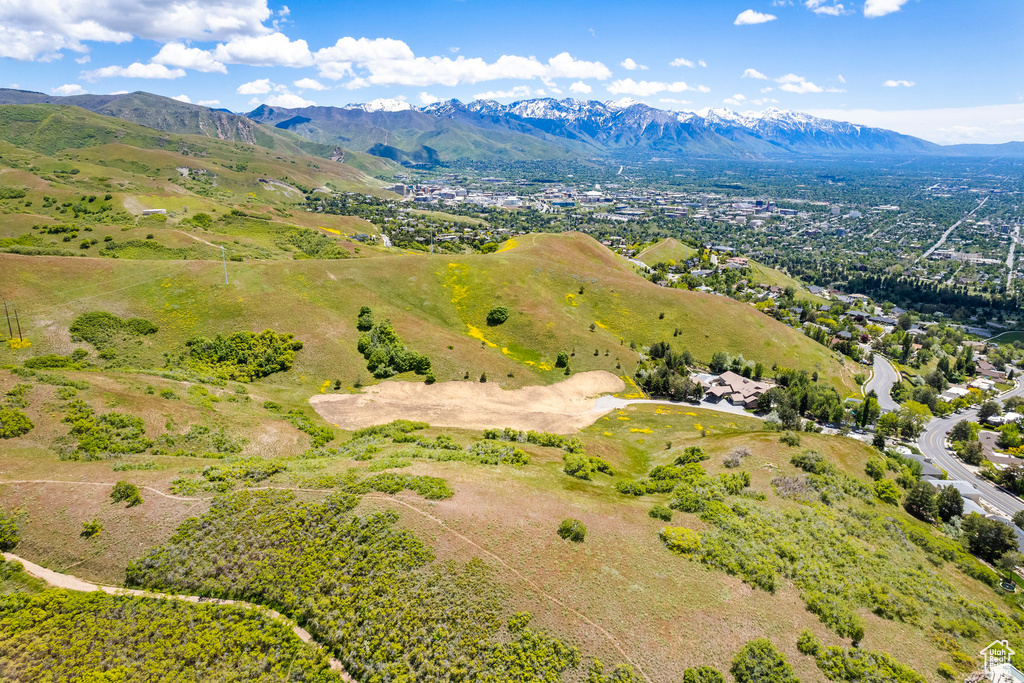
556, 288
669, 249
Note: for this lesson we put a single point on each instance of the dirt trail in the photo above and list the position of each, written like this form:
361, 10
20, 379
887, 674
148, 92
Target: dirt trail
197, 239
562, 408
73, 583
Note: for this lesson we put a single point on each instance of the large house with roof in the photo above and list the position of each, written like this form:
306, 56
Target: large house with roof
737, 389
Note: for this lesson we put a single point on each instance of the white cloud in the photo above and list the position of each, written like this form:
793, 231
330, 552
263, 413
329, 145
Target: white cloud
898, 84
763, 100
647, 88
37, 29
879, 8
309, 84
799, 85
749, 16
68, 89
682, 61
630, 65
736, 100
84, 59
260, 87
176, 54
274, 49
821, 7
987, 124
841, 79
387, 62
701, 63
209, 103
288, 101
580, 87
520, 92
183, 98
426, 98
669, 100
754, 73
136, 70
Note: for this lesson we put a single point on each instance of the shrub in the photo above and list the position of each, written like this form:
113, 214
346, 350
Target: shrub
760, 662
888, 492
807, 643
703, 674
497, 315
365, 321
875, 468
14, 423
91, 528
661, 512
680, 540
126, 493
562, 360
921, 502
691, 454
9, 532
1018, 517
946, 671
101, 329
387, 356
790, 439
243, 356
578, 466
572, 530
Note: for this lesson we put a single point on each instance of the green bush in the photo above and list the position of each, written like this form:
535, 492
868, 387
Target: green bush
497, 315
661, 512
126, 493
572, 530
101, 329
111, 433
562, 360
386, 355
14, 423
9, 530
947, 672
365, 321
577, 466
91, 528
691, 454
875, 468
681, 540
760, 662
888, 492
243, 356
790, 439
703, 674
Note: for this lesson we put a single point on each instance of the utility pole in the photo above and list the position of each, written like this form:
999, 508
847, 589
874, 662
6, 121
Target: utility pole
21, 338
225, 262
10, 332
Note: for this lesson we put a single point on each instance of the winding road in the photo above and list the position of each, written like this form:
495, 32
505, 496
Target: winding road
881, 382
933, 445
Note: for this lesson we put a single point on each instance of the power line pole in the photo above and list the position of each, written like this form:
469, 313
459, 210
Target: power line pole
225, 262
21, 338
10, 332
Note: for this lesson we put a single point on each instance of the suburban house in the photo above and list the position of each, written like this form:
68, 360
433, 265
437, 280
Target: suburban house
953, 393
986, 369
737, 389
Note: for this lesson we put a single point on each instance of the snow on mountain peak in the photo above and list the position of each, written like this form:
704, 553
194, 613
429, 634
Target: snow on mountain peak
382, 104
623, 103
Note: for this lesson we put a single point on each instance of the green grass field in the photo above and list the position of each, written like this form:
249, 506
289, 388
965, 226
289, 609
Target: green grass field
669, 249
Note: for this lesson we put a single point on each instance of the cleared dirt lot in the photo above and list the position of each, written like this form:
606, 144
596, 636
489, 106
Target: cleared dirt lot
562, 408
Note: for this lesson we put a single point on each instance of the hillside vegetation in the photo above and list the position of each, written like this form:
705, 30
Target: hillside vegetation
556, 288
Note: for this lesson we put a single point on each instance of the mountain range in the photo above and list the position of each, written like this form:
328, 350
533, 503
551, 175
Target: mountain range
539, 129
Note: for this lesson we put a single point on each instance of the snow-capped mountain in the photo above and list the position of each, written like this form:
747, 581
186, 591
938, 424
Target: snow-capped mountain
382, 104
552, 129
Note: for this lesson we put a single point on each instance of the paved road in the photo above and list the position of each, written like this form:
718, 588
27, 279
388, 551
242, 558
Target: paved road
932, 445
882, 382
951, 229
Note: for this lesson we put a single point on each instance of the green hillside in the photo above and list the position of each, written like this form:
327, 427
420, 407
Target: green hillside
556, 288
669, 249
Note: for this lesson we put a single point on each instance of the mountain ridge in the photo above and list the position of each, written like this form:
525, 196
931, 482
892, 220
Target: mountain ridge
524, 130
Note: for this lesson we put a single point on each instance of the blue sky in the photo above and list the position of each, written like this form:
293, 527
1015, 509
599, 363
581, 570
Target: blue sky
948, 71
